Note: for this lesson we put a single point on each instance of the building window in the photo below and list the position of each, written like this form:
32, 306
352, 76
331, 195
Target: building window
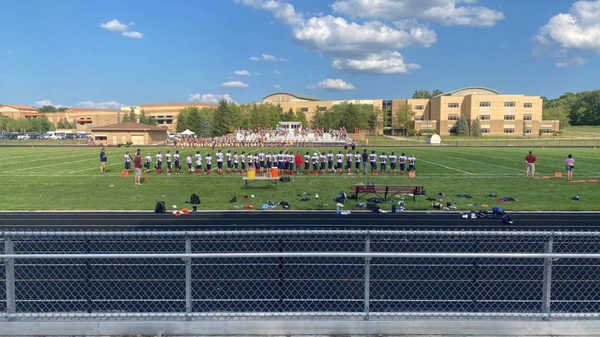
304, 109
527, 130
484, 117
528, 105
545, 130
509, 117
320, 109
485, 104
419, 107
509, 104
453, 117
509, 130
161, 120
527, 117
452, 105
485, 130
418, 117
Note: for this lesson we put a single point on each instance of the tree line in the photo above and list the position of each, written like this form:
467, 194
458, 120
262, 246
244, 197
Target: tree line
582, 108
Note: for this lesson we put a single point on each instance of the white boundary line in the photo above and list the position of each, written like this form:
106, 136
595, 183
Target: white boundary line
446, 167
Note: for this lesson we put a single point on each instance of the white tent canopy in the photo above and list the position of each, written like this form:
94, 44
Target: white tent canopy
188, 132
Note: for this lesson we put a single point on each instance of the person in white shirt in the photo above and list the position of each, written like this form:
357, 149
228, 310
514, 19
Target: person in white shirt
148, 162
198, 157
177, 162
208, 160
158, 165
373, 161
219, 162
188, 160
169, 162
383, 162
411, 163
127, 158
306, 162
236, 162
402, 161
228, 157
393, 159
357, 160
339, 160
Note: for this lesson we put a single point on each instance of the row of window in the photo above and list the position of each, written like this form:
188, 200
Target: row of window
528, 117
510, 104
506, 130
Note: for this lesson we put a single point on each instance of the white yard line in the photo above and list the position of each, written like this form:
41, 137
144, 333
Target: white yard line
446, 167
50, 165
96, 168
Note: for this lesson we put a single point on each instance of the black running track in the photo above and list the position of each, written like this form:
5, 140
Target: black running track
294, 284
289, 220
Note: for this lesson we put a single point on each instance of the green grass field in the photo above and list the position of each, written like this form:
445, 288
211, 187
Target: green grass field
67, 178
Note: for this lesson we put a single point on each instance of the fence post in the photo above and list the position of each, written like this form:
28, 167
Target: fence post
9, 269
547, 289
188, 278
366, 308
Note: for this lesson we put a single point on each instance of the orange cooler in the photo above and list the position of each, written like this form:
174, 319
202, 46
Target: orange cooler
274, 172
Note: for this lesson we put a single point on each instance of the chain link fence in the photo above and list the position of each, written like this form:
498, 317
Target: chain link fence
299, 274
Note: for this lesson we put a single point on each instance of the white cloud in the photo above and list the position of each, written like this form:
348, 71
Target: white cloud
277, 72
242, 72
45, 102
210, 98
99, 105
571, 62
282, 11
266, 57
114, 26
133, 35
117, 27
234, 84
276, 86
382, 63
338, 36
332, 84
445, 12
577, 29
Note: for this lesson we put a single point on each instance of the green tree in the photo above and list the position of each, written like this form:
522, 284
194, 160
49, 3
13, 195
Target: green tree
63, 123
226, 118
300, 116
148, 120
405, 117
20, 125
40, 124
47, 108
462, 126
476, 128
129, 117
424, 93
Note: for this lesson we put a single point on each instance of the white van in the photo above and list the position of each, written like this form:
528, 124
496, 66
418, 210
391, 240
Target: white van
56, 134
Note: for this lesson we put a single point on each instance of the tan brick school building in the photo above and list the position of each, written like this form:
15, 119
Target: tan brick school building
135, 133
498, 114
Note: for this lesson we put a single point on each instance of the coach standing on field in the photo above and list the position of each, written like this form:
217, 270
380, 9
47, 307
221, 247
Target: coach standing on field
103, 160
530, 165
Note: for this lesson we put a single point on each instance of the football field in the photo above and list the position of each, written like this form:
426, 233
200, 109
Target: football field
67, 178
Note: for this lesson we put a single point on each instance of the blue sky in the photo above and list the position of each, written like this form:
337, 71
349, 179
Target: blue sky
110, 53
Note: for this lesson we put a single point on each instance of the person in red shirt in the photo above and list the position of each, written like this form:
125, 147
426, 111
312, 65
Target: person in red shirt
298, 160
137, 163
530, 165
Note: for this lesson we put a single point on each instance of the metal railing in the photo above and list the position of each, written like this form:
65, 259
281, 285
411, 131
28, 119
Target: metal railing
300, 274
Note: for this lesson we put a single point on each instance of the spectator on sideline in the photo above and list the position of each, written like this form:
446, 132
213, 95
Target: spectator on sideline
570, 166
103, 160
137, 163
530, 162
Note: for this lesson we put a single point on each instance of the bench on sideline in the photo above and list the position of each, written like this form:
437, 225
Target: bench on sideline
269, 179
386, 190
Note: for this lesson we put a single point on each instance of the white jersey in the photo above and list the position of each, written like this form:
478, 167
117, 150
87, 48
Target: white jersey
357, 157
402, 159
168, 155
411, 160
189, 160
127, 158
373, 157
242, 158
307, 158
383, 159
148, 159
339, 157
236, 158
219, 157
349, 157
393, 158
208, 160
198, 157
159, 158
228, 156
330, 156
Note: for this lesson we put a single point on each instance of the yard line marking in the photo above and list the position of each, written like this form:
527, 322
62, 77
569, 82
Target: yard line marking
49, 165
94, 168
446, 167
479, 162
